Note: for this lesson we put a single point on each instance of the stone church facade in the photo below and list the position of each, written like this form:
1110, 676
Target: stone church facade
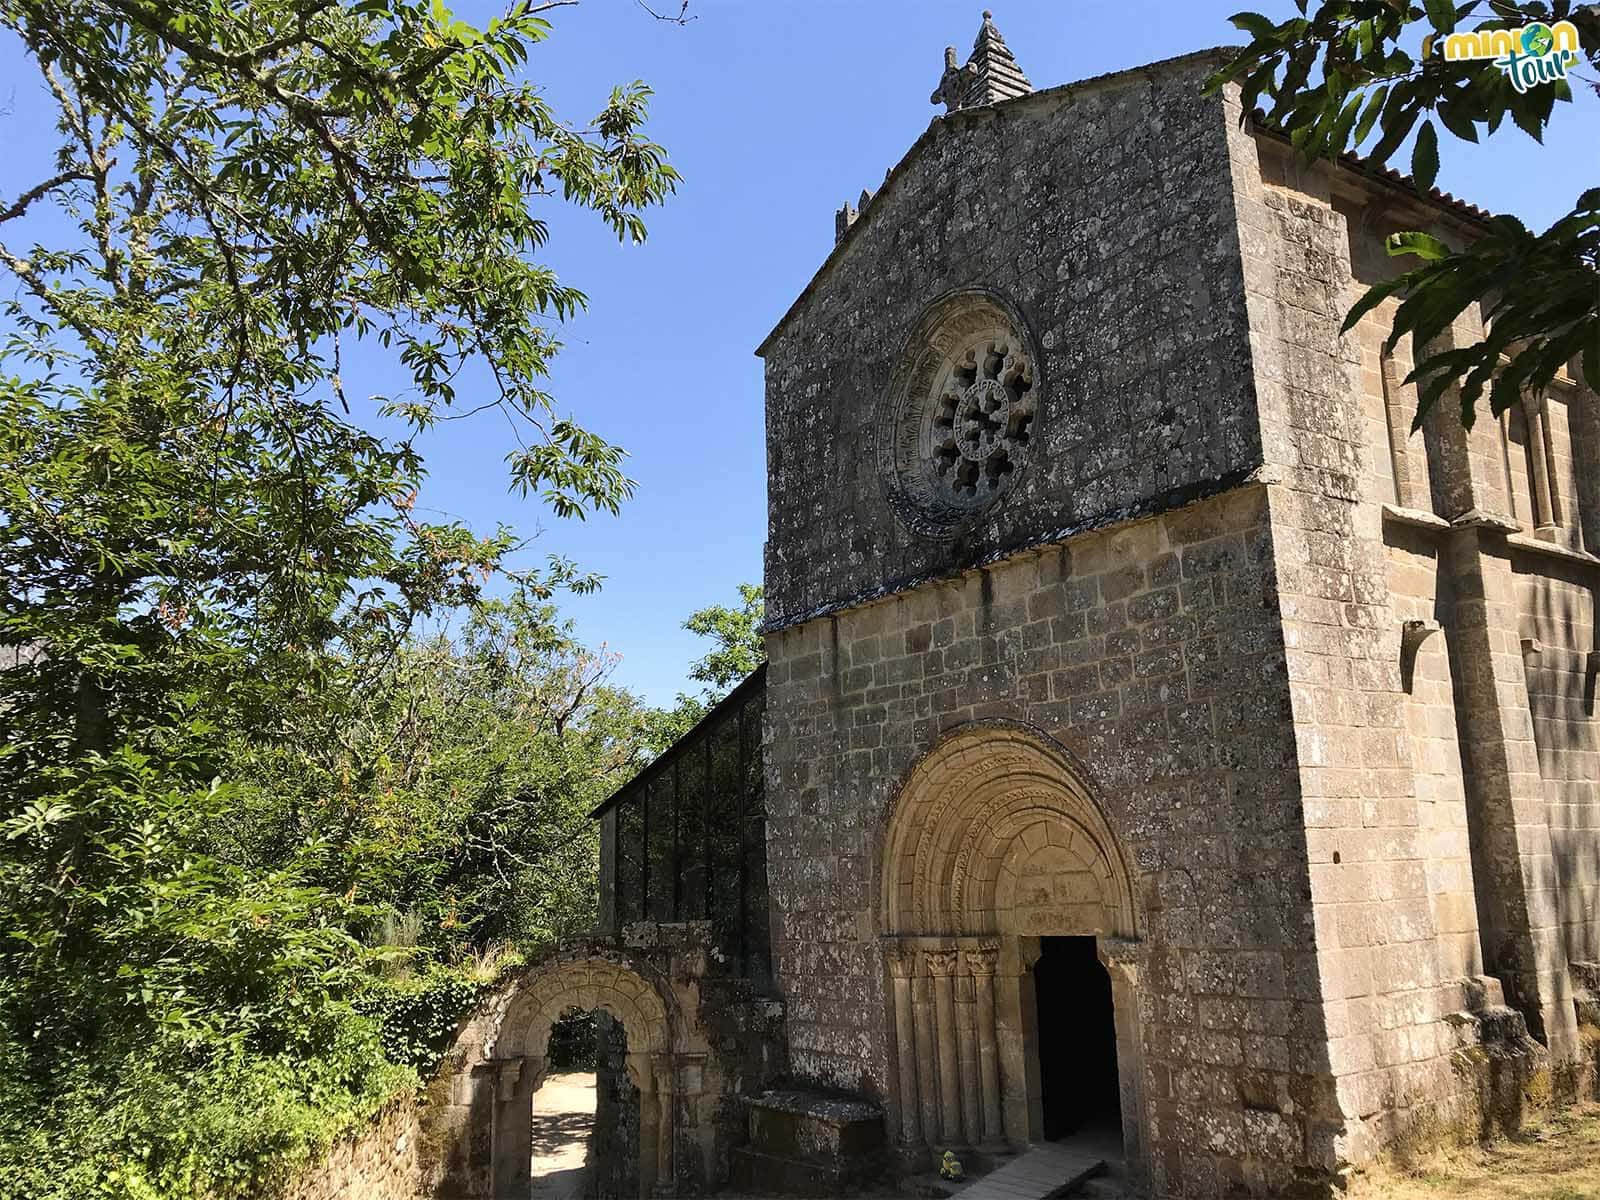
1119, 624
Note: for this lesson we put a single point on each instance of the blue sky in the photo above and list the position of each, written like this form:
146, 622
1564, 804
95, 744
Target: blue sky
775, 113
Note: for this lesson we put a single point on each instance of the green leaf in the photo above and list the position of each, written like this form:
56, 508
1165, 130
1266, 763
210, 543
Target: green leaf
1369, 114
1442, 15
1425, 157
1423, 245
1373, 297
1253, 23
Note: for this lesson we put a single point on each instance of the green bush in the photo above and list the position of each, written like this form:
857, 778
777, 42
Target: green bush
417, 1018
175, 1120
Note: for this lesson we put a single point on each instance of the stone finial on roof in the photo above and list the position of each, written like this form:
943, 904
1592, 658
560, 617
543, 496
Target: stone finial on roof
991, 72
953, 85
842, 220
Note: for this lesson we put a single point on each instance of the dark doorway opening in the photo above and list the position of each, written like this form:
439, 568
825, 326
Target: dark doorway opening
1077, 1041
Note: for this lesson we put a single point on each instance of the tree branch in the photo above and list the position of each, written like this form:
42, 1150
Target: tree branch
34, 193
683, 17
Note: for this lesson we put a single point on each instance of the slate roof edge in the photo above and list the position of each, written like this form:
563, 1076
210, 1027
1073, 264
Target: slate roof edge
1387, 176
752, 682
1376, 172
1218, 53
1141, 509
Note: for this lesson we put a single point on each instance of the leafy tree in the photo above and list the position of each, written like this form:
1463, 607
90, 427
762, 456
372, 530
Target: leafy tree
459, 784
208, 560
1341, 74
736, 633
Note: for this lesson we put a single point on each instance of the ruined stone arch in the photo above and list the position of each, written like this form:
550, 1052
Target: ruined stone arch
500, 1058
586, 984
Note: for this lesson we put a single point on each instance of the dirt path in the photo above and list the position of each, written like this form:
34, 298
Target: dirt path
563, 1116
1558, 1160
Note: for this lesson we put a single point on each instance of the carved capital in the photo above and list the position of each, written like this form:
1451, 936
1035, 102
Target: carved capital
902, 961
640, 1072
983, 960
663, 1065
506, 1079
941, 963
1122, 957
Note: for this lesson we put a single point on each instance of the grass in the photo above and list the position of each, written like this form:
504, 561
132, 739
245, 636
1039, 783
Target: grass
1558, 1159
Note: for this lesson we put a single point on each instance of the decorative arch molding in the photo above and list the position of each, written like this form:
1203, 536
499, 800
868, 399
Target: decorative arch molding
541, 995
987, 804
995, 841
500, 1059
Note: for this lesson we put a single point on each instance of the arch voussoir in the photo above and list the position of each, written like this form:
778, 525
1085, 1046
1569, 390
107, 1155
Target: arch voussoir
539, 999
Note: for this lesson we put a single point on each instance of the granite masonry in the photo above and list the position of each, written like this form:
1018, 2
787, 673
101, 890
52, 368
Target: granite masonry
1162, 743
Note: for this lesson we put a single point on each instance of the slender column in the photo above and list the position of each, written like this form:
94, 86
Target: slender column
1544, 507
967, 1053
902, 966
666, 1098
1016, 1021
981, 963
927, 1056
942, 966
513, 1130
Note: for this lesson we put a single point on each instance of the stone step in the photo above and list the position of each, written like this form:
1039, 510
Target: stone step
1037, 1174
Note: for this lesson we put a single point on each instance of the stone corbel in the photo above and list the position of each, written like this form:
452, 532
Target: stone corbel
1412, 635
1028, 951
1532, 650
1477, 518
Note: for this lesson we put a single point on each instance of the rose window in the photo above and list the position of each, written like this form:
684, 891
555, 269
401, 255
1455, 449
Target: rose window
954, 433
981, 419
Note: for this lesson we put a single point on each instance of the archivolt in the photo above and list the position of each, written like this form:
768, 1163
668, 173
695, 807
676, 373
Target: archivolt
585, 984
986, 809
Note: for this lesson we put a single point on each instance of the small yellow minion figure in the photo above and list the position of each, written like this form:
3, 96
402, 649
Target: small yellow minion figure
950, 1166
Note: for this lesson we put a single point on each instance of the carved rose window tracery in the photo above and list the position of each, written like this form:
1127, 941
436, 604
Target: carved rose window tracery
956, 428
981, 418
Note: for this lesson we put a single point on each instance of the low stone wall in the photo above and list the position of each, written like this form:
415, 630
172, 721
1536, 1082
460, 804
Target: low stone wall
377, 1162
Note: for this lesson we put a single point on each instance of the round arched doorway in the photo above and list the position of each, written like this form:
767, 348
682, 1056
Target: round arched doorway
516, 1055
996, 856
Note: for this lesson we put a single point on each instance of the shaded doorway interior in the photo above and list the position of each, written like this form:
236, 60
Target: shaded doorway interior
585, 1120
1077, 1045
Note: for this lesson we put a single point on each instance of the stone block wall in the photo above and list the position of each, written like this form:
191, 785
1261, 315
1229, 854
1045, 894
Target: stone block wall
1557, 603
693, 1040
376, 1162
1153, 654
1417, 713
1419, 587
1102, 211
1386, 998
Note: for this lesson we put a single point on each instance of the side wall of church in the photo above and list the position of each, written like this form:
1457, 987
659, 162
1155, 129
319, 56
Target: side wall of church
1103, 214
1153, 654
1443, 765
